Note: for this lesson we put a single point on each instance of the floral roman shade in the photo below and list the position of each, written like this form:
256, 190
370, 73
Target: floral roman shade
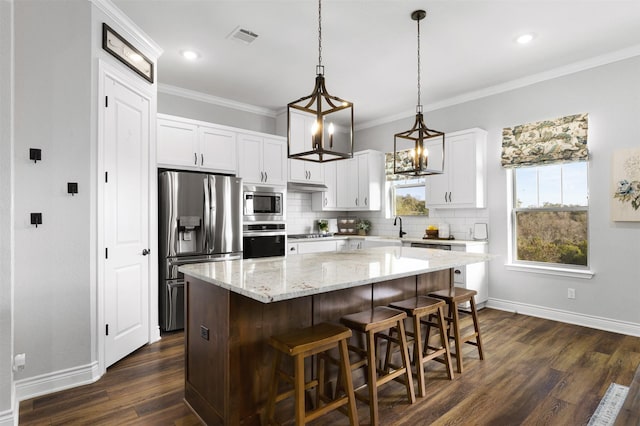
405, 163
546, 142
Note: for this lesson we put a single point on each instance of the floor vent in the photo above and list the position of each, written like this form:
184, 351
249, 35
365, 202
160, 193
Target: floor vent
243, 35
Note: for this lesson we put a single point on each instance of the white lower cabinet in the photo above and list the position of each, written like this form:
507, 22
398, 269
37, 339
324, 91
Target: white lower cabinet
311, 247
473, 277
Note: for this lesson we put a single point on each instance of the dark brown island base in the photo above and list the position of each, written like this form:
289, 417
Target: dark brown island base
233, 307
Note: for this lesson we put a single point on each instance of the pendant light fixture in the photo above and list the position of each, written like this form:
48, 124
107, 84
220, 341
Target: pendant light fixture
320, 126
418, 151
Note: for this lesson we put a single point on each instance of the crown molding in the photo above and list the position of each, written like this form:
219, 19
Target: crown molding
112, 11
573, 68
215, 100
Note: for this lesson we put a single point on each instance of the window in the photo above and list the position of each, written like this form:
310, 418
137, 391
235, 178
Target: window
550, 214
408, 197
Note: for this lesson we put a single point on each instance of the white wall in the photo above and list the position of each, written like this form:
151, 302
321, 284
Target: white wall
611, 96
6, 212
53, 113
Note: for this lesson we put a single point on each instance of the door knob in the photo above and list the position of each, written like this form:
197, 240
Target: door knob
145, 252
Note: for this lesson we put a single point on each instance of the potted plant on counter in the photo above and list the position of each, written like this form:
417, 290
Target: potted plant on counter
363, 226
323, 226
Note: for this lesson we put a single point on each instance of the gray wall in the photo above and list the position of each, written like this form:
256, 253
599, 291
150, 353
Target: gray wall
6, 209
53, 84
610, 94
205, 111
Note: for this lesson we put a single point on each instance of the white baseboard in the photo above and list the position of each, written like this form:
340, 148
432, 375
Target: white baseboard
616, 326
9, 417
56, 381
155, 335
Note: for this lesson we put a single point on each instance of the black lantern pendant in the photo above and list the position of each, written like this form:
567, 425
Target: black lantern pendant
320, 126
418, 151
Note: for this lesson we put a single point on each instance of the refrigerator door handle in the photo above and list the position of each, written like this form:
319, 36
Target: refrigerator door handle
207, 212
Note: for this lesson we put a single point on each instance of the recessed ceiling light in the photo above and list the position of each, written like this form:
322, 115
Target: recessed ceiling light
525, 38
190, 55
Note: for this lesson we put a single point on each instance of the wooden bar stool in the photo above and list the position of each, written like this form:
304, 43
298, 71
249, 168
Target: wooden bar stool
420, 309
303, 343
453, 298
372, 323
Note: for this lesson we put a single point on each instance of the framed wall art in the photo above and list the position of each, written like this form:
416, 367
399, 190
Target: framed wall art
625, 185
124, 51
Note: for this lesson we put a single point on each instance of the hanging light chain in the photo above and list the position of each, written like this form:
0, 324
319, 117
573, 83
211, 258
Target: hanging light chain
419, 106
319, 34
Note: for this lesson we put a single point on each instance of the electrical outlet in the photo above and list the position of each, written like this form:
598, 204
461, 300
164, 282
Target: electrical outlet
19, 361
571, 293
204, 332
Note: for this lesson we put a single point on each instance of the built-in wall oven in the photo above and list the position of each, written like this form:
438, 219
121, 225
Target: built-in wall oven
263, 240
263, 203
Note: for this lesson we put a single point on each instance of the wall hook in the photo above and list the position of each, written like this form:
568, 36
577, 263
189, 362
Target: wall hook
72, 187
35, 154
36, 219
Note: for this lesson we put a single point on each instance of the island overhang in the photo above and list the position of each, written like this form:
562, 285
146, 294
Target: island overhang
276, 279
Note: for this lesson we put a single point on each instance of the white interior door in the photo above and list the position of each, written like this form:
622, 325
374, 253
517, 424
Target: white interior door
126, 216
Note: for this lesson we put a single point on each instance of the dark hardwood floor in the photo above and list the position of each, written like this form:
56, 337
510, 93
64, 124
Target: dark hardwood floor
535, 372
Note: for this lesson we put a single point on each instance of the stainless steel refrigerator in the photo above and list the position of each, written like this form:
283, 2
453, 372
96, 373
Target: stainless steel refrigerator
200, 220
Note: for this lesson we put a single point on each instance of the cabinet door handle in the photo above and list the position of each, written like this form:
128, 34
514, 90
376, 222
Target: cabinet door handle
195, 158
266, 176
365, 201
201, 159
326, 201
449, 196
356, 201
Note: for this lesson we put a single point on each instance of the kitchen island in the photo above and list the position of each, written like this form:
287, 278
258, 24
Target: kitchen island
233, 307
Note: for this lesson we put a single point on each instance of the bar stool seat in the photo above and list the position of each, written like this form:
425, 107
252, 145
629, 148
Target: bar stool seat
453, 298
303, 343
372, 323
421, 309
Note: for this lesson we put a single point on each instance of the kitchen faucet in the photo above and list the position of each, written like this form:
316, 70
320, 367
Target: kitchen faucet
401, 233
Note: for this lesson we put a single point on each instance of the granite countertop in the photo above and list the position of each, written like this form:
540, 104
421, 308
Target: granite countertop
387, 237
281, 278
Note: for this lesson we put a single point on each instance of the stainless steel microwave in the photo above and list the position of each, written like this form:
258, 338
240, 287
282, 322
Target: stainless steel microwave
263, 203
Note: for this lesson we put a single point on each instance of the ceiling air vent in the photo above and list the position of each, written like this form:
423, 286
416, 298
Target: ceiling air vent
243, 35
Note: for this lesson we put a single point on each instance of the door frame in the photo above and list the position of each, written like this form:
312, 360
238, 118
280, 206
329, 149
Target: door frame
148, 92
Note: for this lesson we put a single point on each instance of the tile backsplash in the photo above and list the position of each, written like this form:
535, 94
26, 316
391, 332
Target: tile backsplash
301, 219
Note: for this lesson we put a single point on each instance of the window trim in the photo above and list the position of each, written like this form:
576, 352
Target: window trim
402, 183
560, 269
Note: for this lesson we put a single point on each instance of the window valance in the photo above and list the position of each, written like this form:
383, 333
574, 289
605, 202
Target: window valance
546, 142
405, 163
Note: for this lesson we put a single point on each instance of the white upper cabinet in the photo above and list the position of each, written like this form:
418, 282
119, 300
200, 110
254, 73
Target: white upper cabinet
305, 171
300, 131
370, 180
327, 200
217, 149
347, 191
359, 182
177, 144
192, 145
262, 160
463, 183
300, 141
